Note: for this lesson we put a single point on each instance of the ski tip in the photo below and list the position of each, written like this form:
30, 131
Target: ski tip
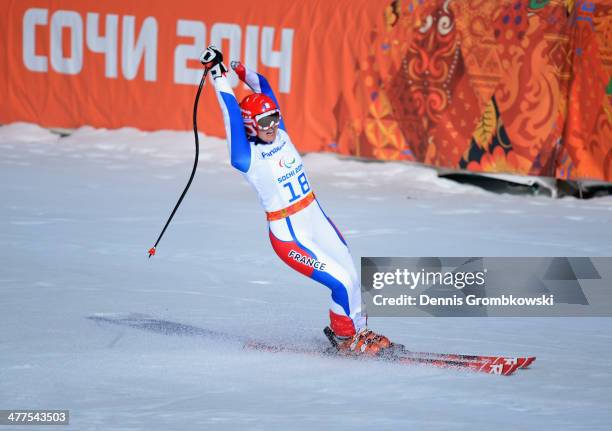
151, 252
527, 362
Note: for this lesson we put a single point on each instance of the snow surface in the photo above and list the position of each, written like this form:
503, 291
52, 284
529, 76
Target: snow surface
79, 213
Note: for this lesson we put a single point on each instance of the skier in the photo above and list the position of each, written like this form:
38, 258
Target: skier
300, 232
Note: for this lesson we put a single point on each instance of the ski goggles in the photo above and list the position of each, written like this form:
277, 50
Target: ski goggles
268, 120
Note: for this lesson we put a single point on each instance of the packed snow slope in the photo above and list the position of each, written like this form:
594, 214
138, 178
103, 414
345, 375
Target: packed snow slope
79, 213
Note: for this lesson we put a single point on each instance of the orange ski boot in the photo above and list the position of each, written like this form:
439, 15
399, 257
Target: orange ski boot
364, 342
346, 340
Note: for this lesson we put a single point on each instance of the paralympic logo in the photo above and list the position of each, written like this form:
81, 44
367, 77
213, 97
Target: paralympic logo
283, 163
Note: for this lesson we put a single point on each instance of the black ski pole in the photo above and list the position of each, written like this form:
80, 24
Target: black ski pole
195, 163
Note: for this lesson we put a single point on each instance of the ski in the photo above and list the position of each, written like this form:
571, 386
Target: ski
521, 361
397, 354
499, 366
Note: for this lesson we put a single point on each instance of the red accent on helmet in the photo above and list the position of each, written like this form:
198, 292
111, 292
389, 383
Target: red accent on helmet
252, 106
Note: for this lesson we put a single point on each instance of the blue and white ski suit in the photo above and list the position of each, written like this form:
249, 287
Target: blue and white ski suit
307, 240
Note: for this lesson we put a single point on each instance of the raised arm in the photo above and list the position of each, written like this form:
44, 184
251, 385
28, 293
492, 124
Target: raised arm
238, 145
257, 83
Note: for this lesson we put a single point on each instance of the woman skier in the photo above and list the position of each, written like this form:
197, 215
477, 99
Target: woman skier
300, 232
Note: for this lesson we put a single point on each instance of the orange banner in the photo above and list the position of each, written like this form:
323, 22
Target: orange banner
512, 86
134, 63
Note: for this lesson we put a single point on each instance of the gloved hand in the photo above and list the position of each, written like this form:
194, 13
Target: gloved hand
212, 59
